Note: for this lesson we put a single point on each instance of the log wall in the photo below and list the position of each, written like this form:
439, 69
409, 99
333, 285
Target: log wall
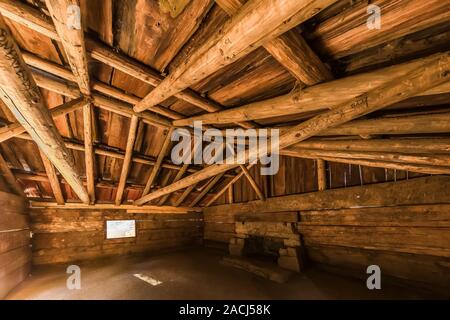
15, 253
404, 227
67, 235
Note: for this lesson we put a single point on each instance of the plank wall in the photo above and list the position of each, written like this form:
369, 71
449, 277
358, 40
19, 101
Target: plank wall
403, 226
15, 253
67, 235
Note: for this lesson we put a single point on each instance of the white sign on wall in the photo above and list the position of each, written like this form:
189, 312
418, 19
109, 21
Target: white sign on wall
116, 229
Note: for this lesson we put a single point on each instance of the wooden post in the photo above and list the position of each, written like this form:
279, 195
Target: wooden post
207, 188
20, 93
53, 180
253, 183
89, 155
157, 166
128, 158
6, 172
321, 175
227, 186
230, 194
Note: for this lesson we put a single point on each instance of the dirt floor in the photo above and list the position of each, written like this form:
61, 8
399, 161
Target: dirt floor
190, 274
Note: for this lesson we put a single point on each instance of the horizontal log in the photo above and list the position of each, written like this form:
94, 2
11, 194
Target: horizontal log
433, 161
14, 259
109, 104
218, 236
424, 240
220, 227
433, 215
315, 98
52, 256
12, 221
427, 269
110, 206
410, 145
410, 192
267, 229
419, 168
14, 239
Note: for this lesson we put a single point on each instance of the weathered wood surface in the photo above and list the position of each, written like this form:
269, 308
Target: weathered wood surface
290, 50
431, 73
427, 190
428, 271
71, 235
272, 17
21, 95
15, 253
71, 35
316, 98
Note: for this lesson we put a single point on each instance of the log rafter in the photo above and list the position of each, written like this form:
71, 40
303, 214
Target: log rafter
290, 50
274, 17
21, 94
431, 73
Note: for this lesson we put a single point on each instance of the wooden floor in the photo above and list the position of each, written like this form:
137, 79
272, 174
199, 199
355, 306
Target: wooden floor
191, 274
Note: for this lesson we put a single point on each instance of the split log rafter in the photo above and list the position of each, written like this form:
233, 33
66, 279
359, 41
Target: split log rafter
273, 17
290, 50
433, 72
20, 93
72, 38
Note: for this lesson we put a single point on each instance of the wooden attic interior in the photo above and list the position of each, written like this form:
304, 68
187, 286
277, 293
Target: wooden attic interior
87, 116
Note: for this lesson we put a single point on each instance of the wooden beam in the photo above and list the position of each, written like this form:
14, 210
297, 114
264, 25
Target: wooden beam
252, 182
71, 34
89, 155
207, 188
20, 93
42, 177
347, 33
112, 152
430, 74
184, 195
112, 206
165, 147
128, 158
419, 168
400, 125
405, 145
419, 124
62, 72
142, 72
290, 50
6, 172
16, 129
321, 175
227, 186
401, 193
179, 175
316, 98
230, 194
237, 38
30, 17
432, 160
53, 180
100, 101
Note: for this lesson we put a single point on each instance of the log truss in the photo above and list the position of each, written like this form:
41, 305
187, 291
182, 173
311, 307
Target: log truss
335, 129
